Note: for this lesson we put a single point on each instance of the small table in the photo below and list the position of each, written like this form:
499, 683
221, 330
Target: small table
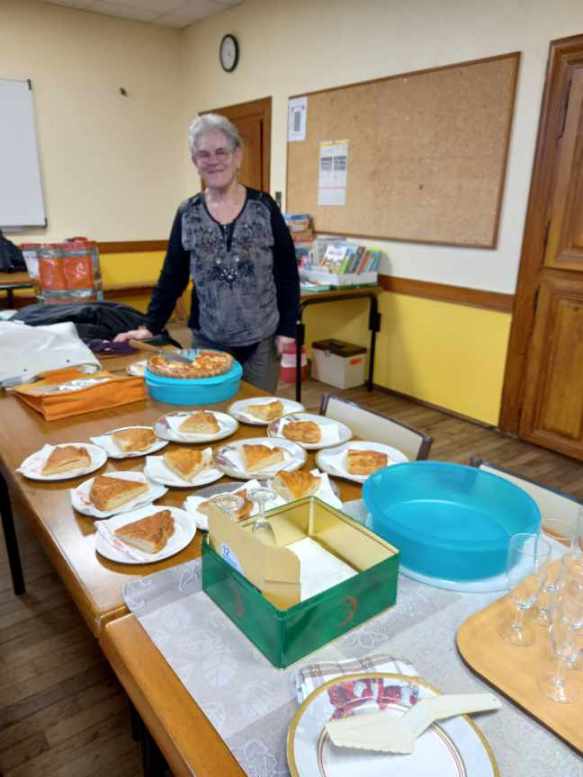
374, 323
10, 281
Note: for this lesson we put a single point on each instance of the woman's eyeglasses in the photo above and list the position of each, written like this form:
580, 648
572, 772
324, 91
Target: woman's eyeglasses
205, 157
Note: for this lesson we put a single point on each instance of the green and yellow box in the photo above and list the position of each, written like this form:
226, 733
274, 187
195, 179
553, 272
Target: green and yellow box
285, 635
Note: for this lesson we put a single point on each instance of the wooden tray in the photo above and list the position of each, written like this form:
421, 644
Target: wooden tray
515, 670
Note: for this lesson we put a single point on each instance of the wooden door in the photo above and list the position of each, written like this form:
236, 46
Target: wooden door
543, 393
253, 120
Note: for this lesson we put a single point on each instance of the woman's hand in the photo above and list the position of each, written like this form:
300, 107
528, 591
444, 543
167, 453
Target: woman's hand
281, 341
134, 334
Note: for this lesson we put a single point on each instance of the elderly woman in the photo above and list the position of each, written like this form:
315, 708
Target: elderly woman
234, 244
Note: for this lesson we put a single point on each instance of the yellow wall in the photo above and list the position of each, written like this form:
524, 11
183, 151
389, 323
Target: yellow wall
450, 355
141, 268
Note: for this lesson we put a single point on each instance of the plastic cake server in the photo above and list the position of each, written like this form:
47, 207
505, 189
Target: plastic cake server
383, 732
172, 356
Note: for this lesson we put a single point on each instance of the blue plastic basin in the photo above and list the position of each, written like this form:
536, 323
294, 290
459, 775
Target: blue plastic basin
448, 520
194, 391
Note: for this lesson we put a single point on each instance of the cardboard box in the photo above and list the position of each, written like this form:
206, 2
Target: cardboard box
257, 586
338, 363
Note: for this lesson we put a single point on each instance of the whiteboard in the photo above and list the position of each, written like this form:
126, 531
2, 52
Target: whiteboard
21, 195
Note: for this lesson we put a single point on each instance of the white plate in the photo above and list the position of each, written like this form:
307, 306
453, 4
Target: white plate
32, 466
239, 409
157, 471
452, 748
184, 531
81, 503
332, 432
164, 427
333, 460
106, 442
228, 458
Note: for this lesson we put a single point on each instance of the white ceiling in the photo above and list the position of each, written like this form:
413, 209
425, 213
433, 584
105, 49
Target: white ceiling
170, 13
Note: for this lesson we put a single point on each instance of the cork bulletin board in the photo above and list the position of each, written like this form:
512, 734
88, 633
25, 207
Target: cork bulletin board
427, 154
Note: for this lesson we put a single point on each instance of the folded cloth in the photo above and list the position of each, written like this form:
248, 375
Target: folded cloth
108, 347
312, 676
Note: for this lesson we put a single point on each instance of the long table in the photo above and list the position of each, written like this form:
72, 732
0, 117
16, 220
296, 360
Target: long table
68, 538
421, 628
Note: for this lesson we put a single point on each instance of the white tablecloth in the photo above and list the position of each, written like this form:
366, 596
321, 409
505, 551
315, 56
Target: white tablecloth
251, 704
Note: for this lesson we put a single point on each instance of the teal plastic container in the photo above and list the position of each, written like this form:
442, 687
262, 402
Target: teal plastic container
449, 521
194, 391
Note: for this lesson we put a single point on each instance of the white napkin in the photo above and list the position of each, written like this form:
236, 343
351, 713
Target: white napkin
174, 422
337, 463
106, 442
250, 417
329, 433
312, 676
107, 535
235, 458
81, 502
325, 492
157, 470
33, 464
191, 503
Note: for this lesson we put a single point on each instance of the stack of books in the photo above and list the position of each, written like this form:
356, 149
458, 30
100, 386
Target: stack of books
338, 262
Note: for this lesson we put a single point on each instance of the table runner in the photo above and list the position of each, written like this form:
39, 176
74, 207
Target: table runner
251, 703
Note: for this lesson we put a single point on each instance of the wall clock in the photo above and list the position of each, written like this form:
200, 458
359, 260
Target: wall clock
229, 53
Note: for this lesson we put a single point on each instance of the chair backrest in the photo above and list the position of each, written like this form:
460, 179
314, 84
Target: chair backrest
370, 425
552, 504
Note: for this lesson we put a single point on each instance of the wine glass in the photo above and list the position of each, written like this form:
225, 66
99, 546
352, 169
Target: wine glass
562, 632
528, 556
229, 504
573, 587
262, 528
564, 530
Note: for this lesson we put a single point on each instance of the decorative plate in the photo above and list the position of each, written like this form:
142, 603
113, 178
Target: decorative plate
452, 748
333, 460
332, 432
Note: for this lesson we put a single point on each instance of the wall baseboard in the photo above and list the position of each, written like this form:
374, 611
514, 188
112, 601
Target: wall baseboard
442, 292
433, 406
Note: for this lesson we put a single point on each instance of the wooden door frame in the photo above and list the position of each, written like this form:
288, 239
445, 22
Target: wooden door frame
263, 106
563, 55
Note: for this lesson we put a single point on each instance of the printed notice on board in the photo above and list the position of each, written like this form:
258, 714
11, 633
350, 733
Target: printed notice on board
297, 114
333, 172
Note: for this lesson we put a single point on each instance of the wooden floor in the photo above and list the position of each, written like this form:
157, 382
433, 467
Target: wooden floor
62, 713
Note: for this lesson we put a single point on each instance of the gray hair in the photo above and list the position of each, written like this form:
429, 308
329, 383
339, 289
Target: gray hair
209, 122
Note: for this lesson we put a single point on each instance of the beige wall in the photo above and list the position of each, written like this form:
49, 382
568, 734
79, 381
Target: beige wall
288, 48
111, 165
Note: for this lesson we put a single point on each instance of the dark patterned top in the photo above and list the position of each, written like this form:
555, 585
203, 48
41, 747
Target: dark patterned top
245, 274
